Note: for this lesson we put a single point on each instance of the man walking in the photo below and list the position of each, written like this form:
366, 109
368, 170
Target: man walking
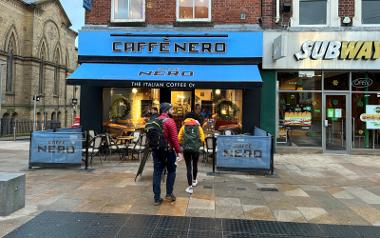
166, 157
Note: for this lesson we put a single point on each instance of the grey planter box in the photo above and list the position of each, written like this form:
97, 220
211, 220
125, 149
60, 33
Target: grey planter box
12, 192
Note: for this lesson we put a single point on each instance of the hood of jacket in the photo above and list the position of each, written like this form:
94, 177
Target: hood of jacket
190, 122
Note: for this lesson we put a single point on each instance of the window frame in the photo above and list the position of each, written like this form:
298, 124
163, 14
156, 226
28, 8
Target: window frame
332, 15
126, 20
178, 19
357, 19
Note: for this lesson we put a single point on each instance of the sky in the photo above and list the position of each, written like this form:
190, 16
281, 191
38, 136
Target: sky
75, 11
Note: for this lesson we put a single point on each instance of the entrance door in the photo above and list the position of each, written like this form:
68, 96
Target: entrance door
182, 103
336, 138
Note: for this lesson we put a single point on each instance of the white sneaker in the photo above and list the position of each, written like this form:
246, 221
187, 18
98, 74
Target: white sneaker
195, 182
189, 189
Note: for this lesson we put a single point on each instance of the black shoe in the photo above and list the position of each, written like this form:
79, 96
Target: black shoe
170, 198
158, 202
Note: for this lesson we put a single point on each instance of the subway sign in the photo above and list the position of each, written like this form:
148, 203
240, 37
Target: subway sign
340, 50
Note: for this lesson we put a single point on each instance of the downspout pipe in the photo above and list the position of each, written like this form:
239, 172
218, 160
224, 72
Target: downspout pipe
277, 18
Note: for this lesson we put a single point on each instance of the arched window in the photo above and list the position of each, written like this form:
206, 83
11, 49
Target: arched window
59, 116
53, 118
10, 64
41, 79
57, 56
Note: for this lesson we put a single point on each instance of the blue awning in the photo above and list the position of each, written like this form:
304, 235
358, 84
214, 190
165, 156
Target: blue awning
159, 75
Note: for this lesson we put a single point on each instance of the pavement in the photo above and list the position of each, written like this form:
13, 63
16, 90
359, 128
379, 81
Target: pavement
305, 189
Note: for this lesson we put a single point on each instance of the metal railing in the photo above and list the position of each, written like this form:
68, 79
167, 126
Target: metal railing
19, 127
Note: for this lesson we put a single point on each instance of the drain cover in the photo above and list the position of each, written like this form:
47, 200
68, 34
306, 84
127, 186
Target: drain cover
268, 189
207, 187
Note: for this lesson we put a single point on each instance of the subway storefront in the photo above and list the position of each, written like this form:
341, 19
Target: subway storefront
124, 74
327, 90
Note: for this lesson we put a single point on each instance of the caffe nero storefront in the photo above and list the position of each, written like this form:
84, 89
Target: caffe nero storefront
124, 73
327, 90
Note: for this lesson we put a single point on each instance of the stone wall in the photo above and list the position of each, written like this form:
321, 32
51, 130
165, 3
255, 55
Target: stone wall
33, 26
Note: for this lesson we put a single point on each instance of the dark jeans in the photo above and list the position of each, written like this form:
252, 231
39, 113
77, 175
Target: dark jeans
191, 159
162, 159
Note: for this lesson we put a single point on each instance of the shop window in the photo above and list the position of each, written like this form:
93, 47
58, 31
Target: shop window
367, 81
219, 109
128, 10
193, 10
366, 120
127, 109
315, 13
300, 119
336, 81
370, 11
302, 80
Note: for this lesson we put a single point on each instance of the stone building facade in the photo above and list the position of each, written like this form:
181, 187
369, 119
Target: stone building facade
37, 53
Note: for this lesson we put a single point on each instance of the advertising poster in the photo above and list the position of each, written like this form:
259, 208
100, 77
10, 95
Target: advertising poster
247, 152
371, 117
297, 119
56, 147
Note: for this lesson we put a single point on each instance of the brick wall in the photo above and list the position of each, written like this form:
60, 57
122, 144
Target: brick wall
346, 8
164, 12
100, 13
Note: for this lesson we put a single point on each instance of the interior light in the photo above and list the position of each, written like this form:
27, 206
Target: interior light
134, 90
217, 91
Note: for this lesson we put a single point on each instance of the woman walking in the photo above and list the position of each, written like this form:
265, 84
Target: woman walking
191, 137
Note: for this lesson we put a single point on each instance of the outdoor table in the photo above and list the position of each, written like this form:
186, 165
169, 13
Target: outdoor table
124, 140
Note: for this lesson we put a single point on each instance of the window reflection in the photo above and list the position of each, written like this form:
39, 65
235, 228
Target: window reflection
302, 80
126, 109
129, 9
336, 80
193, 9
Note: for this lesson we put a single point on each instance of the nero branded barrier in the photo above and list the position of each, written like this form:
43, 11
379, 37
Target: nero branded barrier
245, 152
60, 148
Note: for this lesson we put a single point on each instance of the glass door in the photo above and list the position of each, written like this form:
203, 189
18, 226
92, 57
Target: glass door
335, 123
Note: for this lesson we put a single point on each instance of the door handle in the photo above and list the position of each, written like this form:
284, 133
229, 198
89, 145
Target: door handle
326, 123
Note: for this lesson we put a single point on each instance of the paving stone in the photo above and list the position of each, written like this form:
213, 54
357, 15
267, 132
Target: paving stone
288, 215
257, 212
311, 213
200, 213
364, 194
195, 203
